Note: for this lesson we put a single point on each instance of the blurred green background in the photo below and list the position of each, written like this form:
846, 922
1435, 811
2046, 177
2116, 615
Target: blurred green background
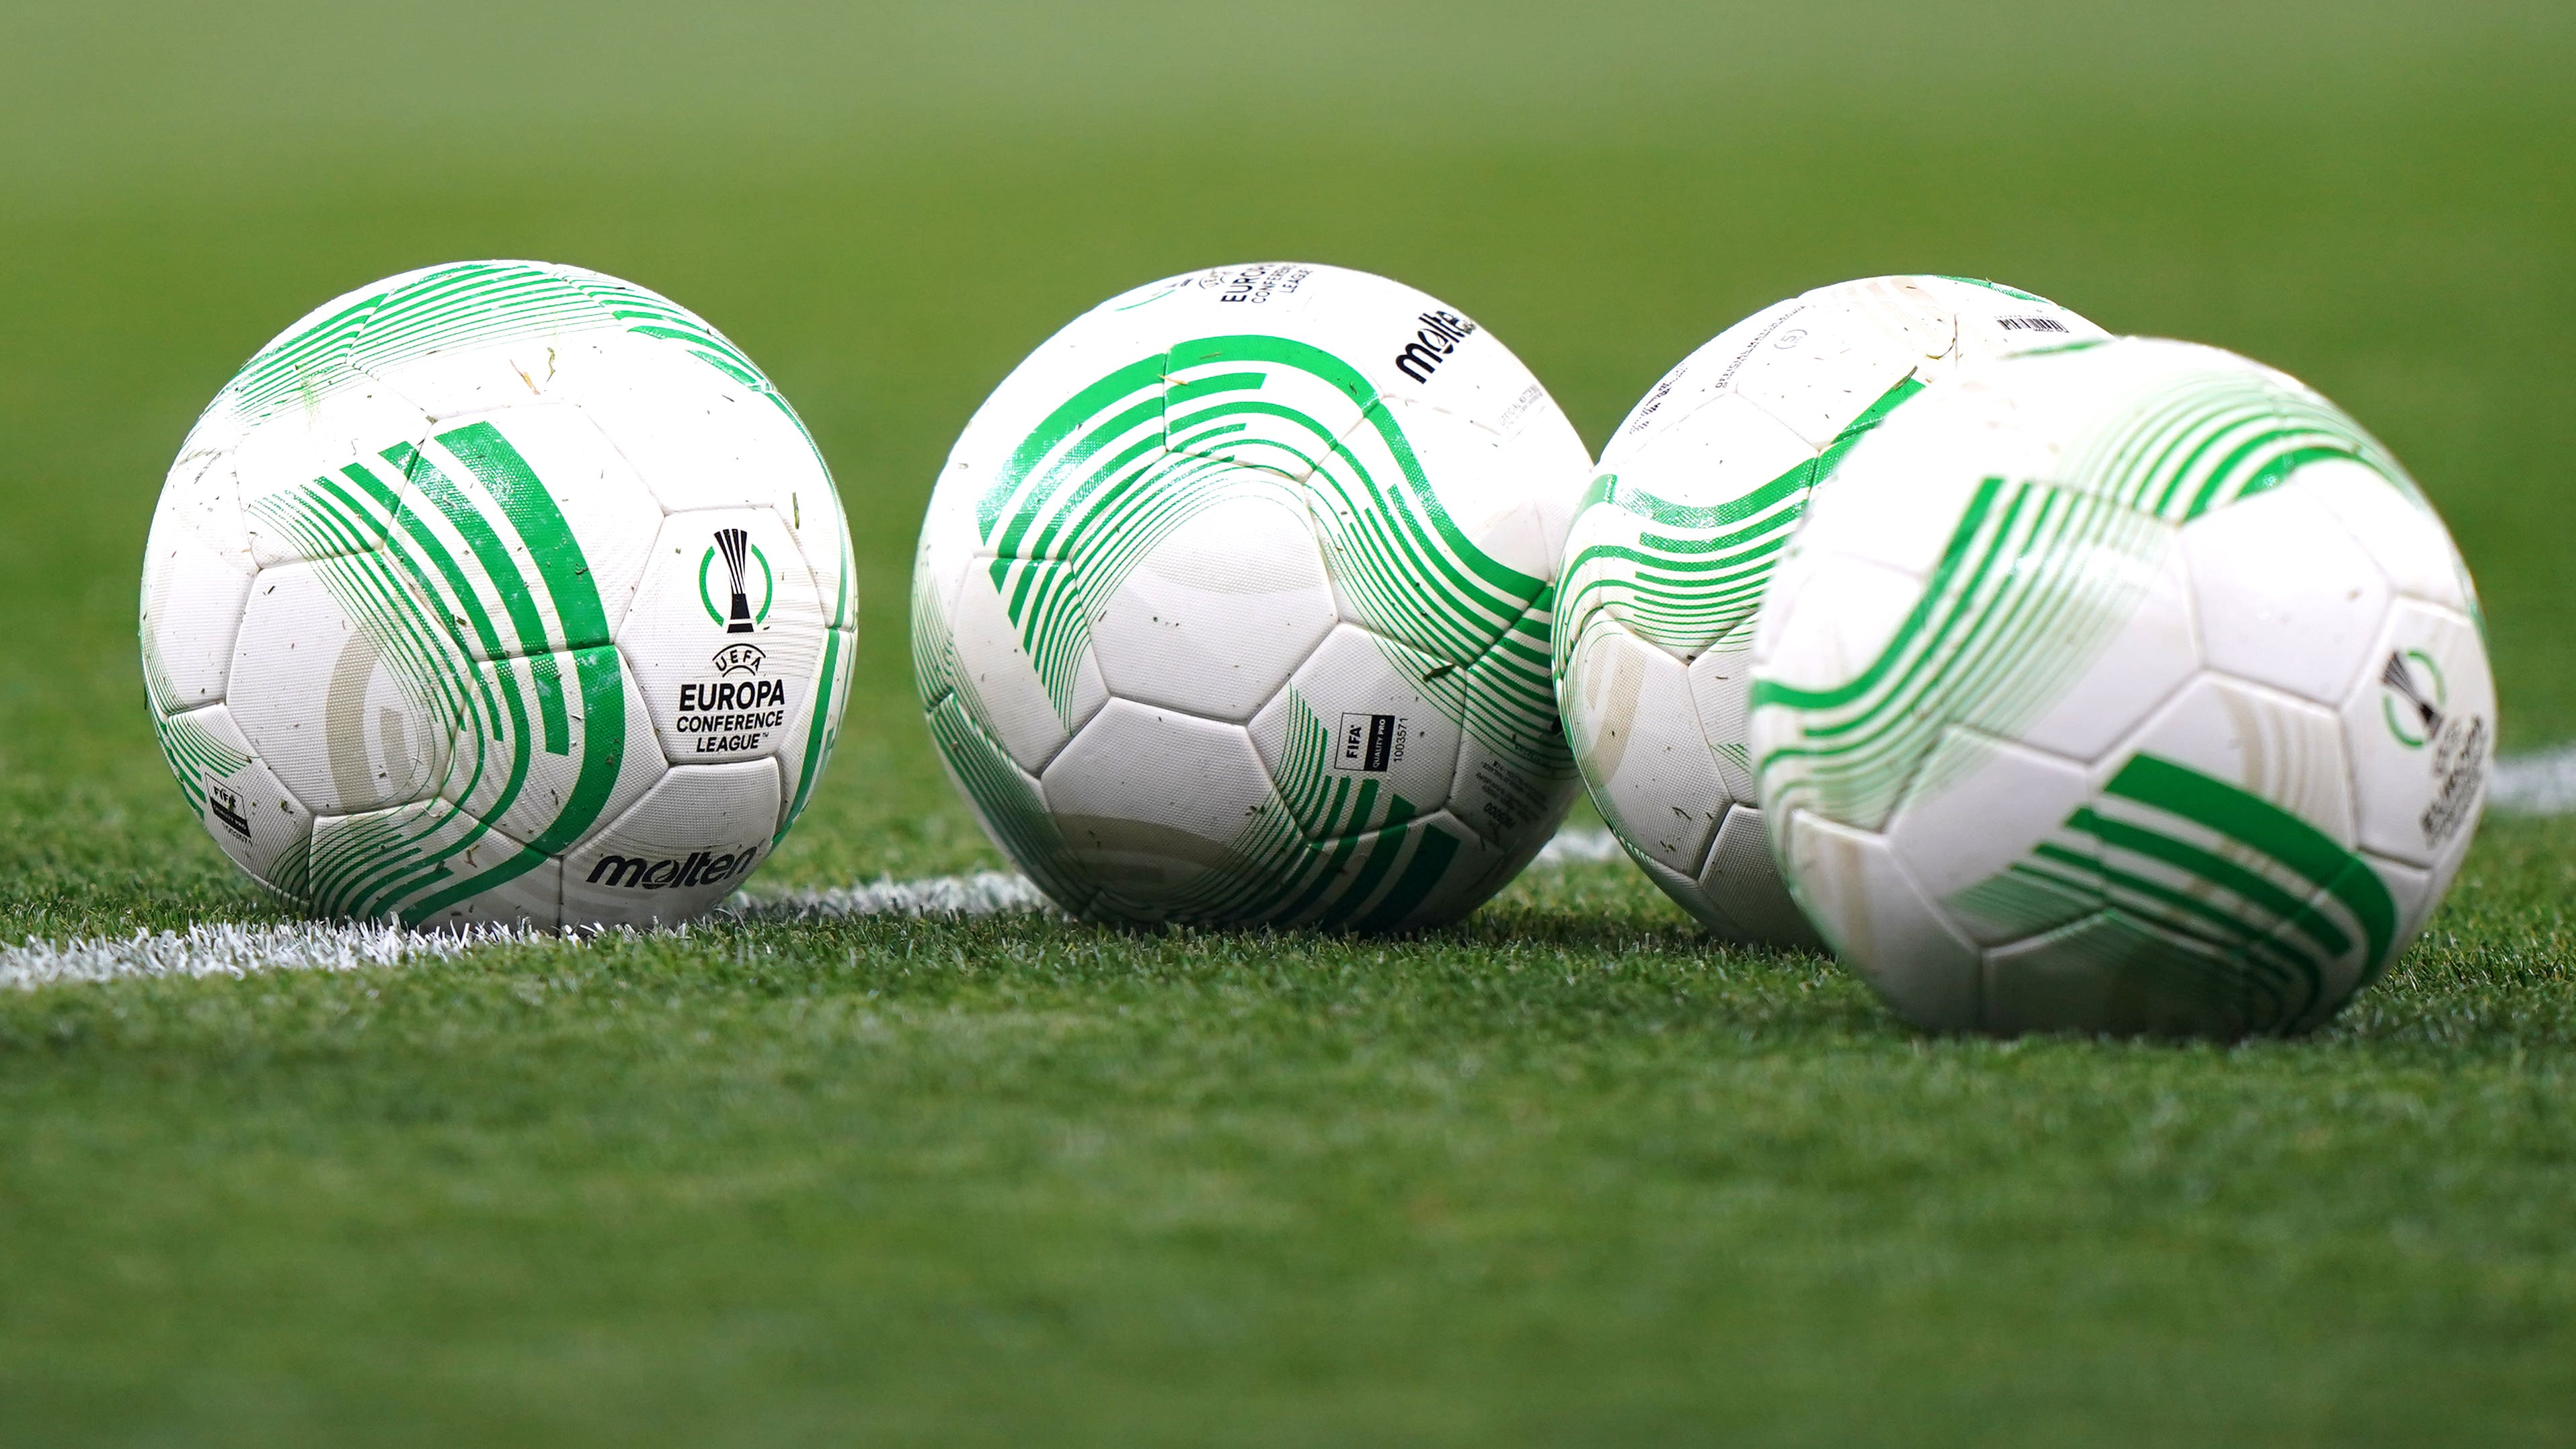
240, 1212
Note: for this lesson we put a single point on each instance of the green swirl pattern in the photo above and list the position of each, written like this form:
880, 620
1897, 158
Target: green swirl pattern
1126, 460
2209, 882
2274, 922
2037, 578
404, 572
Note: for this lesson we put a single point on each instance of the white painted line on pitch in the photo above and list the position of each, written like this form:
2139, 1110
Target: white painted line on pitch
1578, 847
225, 949
2540, 783
984, 893
995, 892
2543, 783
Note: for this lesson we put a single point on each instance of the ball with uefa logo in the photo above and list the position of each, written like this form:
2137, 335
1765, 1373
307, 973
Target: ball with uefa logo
498, 592
2129, 686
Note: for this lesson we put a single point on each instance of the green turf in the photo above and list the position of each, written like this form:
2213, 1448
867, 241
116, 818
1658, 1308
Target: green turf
1563, 1174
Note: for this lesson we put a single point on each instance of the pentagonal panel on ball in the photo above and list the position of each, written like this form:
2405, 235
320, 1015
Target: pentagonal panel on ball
553, 745
1628, 711
1987, 829
2421, 728
1830, 360
1881, 924
536, 500
2152, 654
193, 594
1721, 691
1150, 801
1219, 612
693, 839
300, 454
2118, 973
1024, 669
244, 806
2285, 596
1352, 735
726, 636
1507, 485
1741, 882
2399, 532
353, 710
1704, 374
2227, 827
699, 437
1861, 606
2256, 742
1721, 453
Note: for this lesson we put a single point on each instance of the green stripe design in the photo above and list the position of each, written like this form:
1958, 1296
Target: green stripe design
1125, 461
1004, 794
2216, 435
2033, 583
195, 756
510, 662
2038, 577
1130, 458
2015, 293
1685, 577
2238, 903
1328, 850
465, 305
2188, 887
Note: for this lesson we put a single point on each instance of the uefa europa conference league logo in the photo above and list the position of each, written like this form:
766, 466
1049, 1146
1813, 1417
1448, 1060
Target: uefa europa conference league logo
737, 709
2412, 699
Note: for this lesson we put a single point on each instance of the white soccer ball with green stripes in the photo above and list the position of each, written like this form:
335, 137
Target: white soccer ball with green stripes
2126, 687
1232, 605
498, 592
1672, 545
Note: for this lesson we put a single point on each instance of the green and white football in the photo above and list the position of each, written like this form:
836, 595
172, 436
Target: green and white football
1669, 552
2126, 687
498, 592
1232, 605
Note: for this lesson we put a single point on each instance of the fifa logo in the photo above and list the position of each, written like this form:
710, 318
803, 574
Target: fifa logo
1370, 743
225, 806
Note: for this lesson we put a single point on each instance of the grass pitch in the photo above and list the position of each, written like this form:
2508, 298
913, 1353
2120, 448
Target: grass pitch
1563, 1173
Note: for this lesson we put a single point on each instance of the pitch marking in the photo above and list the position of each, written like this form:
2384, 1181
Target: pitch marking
2541, 783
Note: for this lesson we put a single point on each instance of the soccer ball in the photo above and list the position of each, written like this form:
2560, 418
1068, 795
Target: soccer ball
498, 592
2125, 687
1232, 606
1672, 544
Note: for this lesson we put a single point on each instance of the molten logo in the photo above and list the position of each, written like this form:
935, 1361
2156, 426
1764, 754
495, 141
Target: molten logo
1440, 335
632, 872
